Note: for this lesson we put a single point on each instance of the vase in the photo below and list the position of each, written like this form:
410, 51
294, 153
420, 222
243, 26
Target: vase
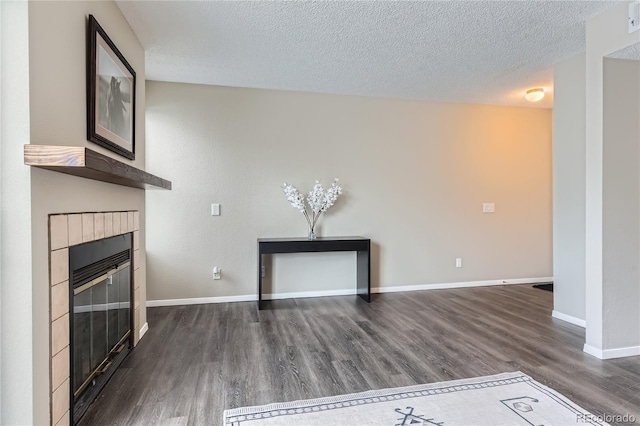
312, 235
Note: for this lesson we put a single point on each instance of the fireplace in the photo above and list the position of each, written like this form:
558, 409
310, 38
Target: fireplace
96, 270
100, 326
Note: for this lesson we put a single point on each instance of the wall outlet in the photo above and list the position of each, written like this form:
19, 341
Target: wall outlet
217, 273
458, 262
488, 207
215, 209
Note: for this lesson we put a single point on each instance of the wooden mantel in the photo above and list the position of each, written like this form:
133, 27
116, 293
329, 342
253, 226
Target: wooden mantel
83, 162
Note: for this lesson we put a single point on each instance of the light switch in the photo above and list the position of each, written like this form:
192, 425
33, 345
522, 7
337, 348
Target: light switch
488, 207
215, 209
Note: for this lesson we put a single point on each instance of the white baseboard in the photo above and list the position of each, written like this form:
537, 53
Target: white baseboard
254, 297
568, 318
144, 329
612, 353
324, 293
201, 300
464, 284
247, 298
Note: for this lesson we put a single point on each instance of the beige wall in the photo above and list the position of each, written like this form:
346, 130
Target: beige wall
415, 177
569, 187
605, 34
57, 33
621, 202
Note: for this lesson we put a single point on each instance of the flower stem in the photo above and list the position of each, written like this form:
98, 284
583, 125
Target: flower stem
306, 216
315, 219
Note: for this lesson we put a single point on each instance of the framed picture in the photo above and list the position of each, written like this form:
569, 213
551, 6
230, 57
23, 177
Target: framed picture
111, 94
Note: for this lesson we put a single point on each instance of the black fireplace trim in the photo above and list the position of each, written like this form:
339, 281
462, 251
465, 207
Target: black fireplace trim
103, 253
84, 255
87, 274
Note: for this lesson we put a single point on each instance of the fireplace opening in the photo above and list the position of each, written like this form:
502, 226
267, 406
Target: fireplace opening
101, 322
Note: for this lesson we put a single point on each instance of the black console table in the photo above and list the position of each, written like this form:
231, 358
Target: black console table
302, 245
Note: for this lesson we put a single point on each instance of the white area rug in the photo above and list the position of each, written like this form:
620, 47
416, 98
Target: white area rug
503, 399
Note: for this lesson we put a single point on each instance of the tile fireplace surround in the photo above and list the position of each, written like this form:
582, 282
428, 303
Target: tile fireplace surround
67, 230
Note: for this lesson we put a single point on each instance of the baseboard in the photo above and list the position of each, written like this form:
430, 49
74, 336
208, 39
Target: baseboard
464, 284
144, 329
568, 318
253, 297
201, 300
247, 298
612, 353
301, 294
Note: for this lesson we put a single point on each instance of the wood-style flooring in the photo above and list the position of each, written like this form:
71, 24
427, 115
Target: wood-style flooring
196, 361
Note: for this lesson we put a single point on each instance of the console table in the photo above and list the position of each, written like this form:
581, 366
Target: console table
302, 245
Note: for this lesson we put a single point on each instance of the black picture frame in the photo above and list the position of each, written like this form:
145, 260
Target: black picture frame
111, 94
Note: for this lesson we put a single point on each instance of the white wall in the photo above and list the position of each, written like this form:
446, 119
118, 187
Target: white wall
605, 34
621, 204
16, 374
415, 177
569, 187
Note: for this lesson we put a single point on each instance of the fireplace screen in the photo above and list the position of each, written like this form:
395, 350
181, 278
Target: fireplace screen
100, 327
101, 323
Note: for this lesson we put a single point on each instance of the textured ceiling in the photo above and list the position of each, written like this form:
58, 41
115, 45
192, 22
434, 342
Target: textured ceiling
485, 52
630, 52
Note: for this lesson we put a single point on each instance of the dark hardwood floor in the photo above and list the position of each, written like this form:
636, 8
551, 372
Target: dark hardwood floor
196, 361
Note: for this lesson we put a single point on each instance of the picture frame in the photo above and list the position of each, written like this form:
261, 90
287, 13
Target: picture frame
111, 94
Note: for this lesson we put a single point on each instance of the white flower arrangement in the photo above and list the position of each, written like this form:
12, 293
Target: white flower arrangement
318, 199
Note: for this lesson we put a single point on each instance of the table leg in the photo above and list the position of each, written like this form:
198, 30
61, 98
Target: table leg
259, 280
364, 275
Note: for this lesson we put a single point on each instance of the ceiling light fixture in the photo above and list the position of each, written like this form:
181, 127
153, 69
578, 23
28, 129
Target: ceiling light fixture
534, 95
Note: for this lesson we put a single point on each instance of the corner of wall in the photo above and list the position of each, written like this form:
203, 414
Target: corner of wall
605, 34
17, 389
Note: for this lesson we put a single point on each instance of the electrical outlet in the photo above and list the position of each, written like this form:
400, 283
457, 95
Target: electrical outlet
458, 262
488, 207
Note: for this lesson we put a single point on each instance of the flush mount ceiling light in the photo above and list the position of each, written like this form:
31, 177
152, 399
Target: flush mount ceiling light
534, 95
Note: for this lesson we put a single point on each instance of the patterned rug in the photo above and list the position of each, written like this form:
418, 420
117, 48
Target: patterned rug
503, 399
